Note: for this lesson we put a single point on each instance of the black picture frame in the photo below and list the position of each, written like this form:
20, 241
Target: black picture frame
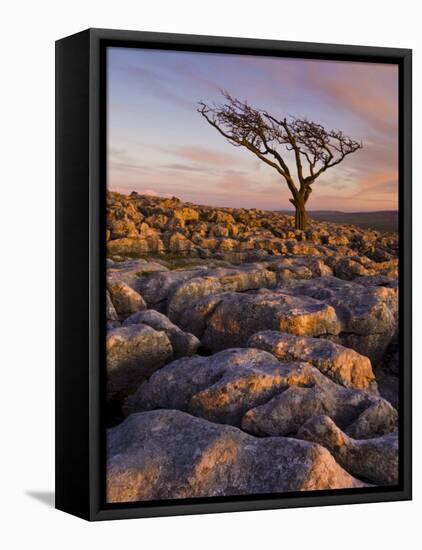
80, 271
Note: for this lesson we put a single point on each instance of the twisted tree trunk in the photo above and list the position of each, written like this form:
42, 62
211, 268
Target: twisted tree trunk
301, 217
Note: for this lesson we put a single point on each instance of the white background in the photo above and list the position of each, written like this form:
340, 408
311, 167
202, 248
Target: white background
27, 274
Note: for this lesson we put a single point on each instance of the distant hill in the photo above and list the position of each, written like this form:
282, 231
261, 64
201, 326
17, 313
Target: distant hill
383, 220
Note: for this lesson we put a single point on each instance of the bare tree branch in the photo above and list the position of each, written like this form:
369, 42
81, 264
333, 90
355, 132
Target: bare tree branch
263, 134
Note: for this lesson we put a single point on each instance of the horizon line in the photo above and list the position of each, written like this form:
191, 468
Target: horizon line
156, 196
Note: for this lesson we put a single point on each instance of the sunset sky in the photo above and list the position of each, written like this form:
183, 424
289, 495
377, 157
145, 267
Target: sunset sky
159, 144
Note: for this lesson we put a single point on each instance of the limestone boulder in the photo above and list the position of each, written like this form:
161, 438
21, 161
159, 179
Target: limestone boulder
304, 248
178, 290
122, 228
125, 300
299, 267
190, 291
378, 280
136, 246
156, 287
343, 365
187, 214
183, 343
240, 315
216, 281
134, 352
194, 318
250, 387
361, 309
177, 243
131, 271
376, 460
350, 268
169, 454
220, 217
367, 315
157, 221
379, 418
284, 413
111, 313
220, 388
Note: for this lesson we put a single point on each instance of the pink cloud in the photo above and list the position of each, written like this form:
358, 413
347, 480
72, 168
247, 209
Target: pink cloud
204, 155
356, 87
377, 191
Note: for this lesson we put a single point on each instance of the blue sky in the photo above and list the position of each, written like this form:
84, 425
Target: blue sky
159, 144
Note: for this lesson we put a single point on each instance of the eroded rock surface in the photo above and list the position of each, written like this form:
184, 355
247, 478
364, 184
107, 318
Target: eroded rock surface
300, 331
124, 299
299, 267
184, 344
357, 410
225, 306
343, 365
252, 389
376, 459
134, 352
140, 224
170, 454
131, 271
238, 316
111, 313
367, 314
177, 290
219, 388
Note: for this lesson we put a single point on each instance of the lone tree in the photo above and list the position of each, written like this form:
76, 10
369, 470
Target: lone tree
313, 148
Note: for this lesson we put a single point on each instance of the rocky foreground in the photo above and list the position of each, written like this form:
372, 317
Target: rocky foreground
246, 357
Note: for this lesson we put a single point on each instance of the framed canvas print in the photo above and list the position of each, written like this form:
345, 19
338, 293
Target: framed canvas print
233, 274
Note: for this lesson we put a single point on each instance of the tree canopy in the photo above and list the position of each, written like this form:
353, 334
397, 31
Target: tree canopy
314, 148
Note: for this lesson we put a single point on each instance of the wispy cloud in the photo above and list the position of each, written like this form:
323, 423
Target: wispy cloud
355, 87
204, 155
155, 84
158, 142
